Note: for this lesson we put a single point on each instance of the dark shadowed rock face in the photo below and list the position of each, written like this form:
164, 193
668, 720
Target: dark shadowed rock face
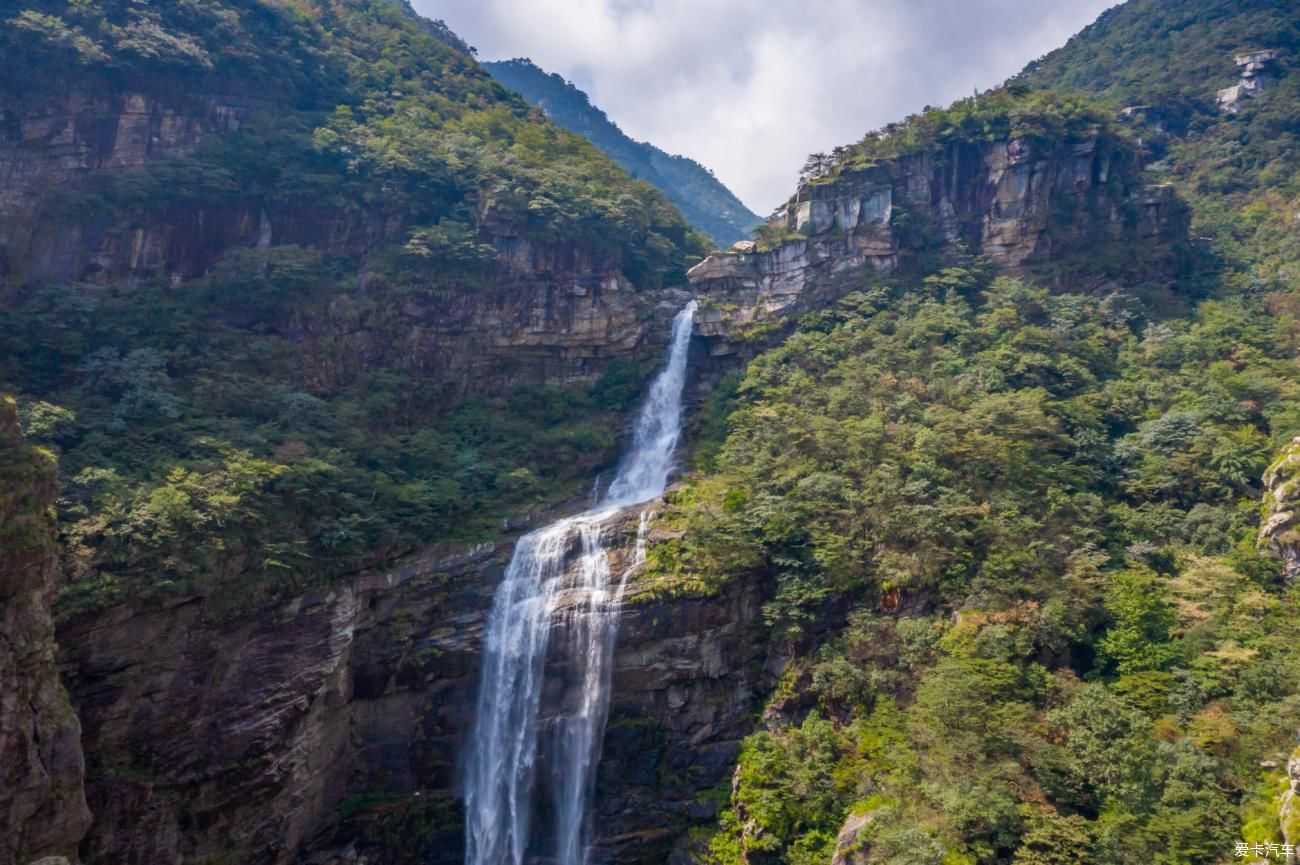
55, 148
688, 673
1014, 202
687, 677
240, 735
329, 728
42, 804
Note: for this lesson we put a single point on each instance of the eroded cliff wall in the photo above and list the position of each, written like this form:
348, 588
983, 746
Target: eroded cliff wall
1026, 206
548, 310
42, 802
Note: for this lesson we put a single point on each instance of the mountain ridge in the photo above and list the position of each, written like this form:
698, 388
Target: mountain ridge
705, 201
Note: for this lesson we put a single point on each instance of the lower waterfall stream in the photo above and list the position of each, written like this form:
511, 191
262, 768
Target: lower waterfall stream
561, 570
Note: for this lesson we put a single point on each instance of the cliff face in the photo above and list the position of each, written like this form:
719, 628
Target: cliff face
1278, 536
687, 671
1289, 804
1017, 202
50, 149
555, 312
42, 803
329, 727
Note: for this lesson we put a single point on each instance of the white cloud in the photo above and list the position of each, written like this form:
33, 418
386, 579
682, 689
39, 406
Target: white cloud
750, 88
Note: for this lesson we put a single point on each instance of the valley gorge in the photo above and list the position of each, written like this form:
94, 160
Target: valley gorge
955, 491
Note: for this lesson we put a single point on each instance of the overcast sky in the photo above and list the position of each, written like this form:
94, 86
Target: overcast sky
751, 87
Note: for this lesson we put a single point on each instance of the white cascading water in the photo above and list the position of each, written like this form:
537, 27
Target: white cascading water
535, 593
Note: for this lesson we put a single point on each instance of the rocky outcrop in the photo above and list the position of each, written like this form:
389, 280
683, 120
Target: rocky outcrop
328, 728
1279, 534
1279, 531
851, 847
1015, 202
687, 671
1255, 67
42, 803
527, 328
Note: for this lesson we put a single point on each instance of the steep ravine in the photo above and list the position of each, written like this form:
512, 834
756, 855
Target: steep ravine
329, 725
327, 728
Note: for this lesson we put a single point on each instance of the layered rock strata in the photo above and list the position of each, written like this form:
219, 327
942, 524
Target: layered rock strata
553, 312
1279, 531
1016, 203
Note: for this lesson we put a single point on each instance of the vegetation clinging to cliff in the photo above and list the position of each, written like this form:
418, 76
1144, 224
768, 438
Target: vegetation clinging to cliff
1167, 57
413, 122
1165, 62
1043, 118
194, 453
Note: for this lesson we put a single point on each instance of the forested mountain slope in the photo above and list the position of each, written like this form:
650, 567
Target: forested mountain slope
1011, 523
1163, 65
710, 206
254, 249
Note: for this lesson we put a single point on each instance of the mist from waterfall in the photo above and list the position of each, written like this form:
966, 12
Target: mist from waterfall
561, 574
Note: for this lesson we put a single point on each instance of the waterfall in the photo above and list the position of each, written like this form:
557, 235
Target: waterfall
542, 584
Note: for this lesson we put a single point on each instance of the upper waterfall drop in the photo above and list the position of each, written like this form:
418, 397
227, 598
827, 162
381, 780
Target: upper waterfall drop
500, 768
643, 472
